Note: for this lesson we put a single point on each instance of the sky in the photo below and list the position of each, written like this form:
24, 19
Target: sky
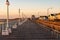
29, 7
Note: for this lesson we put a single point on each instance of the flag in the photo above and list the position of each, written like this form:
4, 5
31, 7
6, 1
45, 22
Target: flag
7, 2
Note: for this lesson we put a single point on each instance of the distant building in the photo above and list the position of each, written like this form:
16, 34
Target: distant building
52, 17
58, 16
33, 17
43, 17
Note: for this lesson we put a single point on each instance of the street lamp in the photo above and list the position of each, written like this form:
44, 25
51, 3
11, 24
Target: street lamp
22, 16
48, 11
19, 16
6, 32
7, 26
38, 14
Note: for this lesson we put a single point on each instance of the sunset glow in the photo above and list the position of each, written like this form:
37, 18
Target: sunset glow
29, 7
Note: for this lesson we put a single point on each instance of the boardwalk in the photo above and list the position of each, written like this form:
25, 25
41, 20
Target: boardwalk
31, 31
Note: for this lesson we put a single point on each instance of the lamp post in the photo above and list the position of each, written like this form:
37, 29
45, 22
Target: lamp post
38, 14
22, 16
19, 16
48, 11
7, 26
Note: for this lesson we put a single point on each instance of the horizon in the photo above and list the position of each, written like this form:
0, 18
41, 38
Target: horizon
29, 7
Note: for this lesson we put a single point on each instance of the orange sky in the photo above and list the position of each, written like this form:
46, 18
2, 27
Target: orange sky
28, 12
29, 7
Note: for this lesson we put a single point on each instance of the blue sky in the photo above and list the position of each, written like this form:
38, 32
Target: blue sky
30, 5
35, 3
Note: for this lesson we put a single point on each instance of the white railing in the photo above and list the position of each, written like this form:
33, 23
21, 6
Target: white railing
12, 25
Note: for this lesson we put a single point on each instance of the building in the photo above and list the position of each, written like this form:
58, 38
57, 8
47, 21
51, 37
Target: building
52, 17
43, 17
33, 17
